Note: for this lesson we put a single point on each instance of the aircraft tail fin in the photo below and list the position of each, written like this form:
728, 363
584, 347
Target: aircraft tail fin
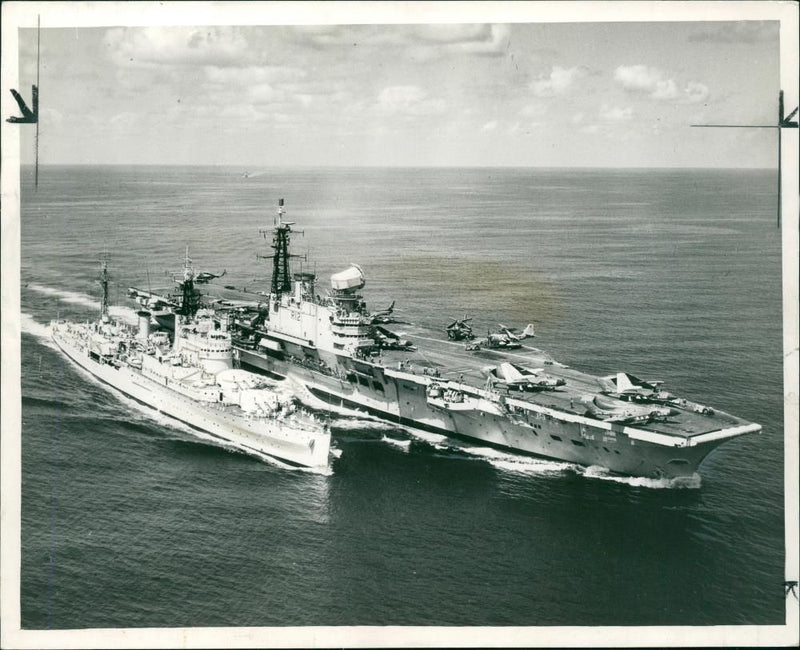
607, 385
528, 332
509, 372
624, 383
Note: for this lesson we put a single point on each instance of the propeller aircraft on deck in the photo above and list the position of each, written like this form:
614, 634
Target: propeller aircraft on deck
460, 329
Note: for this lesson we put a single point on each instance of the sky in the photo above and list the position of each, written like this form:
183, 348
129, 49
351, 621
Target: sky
521, 94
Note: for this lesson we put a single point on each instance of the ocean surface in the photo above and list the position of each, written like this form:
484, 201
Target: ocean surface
129, 520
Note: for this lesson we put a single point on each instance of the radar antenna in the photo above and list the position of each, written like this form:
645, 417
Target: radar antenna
281, 279
784, 122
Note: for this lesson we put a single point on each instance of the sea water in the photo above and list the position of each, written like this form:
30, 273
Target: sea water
129, 519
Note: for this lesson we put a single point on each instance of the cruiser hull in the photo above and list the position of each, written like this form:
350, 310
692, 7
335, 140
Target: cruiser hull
271, 438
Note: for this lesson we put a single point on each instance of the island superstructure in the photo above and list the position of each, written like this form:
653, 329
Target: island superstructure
192, 378
498, 391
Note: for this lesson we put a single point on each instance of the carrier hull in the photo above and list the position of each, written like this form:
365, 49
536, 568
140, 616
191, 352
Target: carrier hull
509, 424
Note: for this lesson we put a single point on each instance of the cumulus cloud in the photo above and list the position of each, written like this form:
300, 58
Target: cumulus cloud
492, 41
452, 33
126, 119
536, 109
421, 42
557, 82
745, 31
654, 82
409, 100
218, 46
246, 76
696, 92
637, 77
489, 126
615, 113
592, 129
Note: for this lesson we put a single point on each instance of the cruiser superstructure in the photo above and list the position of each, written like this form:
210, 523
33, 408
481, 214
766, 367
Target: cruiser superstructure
192, 378
509, 395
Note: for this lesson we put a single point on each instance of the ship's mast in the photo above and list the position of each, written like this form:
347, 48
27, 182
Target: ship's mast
281, 280
190, 297
103, 280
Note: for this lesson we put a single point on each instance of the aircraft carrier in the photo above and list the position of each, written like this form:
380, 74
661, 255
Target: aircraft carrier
499, 390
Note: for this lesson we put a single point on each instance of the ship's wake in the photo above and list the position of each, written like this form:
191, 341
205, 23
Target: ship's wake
402, 444
517, 463
74, 298
29, 325
692, 482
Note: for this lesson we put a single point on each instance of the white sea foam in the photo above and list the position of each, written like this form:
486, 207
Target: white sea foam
434, 439
403, 444
29, 325
75, 298
517, 463
692, 482
67, 296
537, 466
362, 423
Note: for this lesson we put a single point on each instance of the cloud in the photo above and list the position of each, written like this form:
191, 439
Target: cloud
638, 77
246, 76
492, 41
489, 126
559, 80
420, 42
243, 112
537, 109
750, 31
654, 82
696, 92
665, 89
409, 100
615, 114
452, 33
217, 46
263, 94
124, 120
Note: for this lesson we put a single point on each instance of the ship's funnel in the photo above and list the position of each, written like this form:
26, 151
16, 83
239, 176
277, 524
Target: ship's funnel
144, 324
